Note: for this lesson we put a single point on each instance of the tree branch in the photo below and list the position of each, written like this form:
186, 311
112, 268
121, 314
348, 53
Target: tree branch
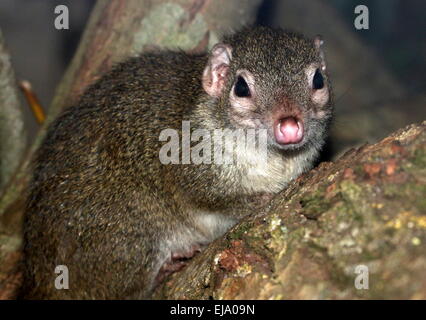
366, 209
13, 138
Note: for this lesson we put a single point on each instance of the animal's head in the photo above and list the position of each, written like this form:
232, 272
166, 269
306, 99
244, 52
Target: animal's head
272, 79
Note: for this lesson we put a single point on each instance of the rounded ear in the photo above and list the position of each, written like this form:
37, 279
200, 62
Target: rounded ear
216, 70
319, 42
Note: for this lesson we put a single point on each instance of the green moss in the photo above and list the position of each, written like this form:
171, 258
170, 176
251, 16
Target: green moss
351, 214
416, 163
419, 158
413, 194
238, 233
315, 204
359, 171
357, 199
297, 235
391, 190
418, 193
351, 191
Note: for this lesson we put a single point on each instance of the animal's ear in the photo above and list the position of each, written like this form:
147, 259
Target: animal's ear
217, 69
319, 42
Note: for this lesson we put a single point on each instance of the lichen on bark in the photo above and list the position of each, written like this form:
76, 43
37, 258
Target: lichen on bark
366, 209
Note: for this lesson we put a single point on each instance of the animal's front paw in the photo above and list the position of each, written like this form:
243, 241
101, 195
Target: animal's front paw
177, 262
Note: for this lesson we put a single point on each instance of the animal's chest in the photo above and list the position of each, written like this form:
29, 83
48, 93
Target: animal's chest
213, 224
270, 175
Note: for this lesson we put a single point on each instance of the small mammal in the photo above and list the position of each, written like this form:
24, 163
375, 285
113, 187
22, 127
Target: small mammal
102, 203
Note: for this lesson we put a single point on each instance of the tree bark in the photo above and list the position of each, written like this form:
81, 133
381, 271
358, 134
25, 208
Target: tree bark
13, 137
366, 210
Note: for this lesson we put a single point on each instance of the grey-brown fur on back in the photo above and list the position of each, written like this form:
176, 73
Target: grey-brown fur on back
101, 202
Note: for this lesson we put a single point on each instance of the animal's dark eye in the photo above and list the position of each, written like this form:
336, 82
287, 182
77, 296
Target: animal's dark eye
241, 88
318, 81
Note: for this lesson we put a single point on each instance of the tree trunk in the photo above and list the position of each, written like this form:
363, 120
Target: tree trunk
13, 137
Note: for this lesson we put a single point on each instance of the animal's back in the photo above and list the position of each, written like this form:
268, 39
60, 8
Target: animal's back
91, 186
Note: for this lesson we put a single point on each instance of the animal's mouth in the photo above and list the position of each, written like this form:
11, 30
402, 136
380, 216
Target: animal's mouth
288, 130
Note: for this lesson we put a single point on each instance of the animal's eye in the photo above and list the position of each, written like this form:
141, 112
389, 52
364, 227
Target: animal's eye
241, 88
318, 81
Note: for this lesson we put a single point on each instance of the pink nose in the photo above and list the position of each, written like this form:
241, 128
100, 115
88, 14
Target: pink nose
288, 131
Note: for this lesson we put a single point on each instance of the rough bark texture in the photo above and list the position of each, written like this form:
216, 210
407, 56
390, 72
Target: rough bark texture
12, 132
116, 30
12, 147
368, 208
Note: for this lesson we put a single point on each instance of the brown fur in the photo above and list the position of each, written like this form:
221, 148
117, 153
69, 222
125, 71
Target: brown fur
101, 202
